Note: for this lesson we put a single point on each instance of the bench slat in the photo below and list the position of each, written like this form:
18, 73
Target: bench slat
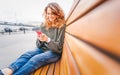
45, 70
57, 68
64, 70
51, 69
73, 68
38, 71
101, 27
89, 60
83, 7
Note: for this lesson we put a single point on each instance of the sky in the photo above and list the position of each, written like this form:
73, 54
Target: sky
27, 11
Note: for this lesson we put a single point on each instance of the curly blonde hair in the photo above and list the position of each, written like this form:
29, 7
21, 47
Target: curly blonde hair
57, 10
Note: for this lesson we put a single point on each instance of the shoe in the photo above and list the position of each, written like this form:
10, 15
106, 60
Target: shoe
1, 73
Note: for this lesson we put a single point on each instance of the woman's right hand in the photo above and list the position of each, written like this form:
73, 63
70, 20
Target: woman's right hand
43, 37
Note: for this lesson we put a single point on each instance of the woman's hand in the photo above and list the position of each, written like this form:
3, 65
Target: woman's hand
43, 37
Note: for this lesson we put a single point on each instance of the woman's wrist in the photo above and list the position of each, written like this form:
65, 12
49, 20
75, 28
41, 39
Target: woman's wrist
48, 40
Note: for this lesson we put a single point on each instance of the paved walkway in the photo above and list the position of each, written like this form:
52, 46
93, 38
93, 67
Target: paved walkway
12, 46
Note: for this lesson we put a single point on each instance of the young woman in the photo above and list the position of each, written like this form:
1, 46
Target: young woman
49, 44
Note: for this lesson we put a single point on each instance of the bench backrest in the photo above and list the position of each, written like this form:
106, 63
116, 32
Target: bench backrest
93, 36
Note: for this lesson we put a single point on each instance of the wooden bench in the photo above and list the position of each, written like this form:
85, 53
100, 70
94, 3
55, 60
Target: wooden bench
92, 40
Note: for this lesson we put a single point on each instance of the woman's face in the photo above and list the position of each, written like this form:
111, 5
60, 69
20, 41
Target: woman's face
50, 15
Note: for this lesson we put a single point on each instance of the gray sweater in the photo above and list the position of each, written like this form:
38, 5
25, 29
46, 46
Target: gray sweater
57, 39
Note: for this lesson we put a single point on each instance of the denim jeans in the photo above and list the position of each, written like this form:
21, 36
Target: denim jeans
32, 60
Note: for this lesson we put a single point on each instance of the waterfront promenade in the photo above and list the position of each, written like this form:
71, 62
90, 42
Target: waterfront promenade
12, 46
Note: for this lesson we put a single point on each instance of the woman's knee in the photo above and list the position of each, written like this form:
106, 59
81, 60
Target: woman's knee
31, 53
46, 57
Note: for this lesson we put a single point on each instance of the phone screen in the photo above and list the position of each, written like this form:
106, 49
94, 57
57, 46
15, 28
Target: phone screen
38, 33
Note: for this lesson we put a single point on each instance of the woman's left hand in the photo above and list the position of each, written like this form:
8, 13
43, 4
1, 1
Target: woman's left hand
43, 37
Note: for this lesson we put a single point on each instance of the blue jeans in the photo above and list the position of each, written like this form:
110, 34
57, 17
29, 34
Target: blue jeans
32, 60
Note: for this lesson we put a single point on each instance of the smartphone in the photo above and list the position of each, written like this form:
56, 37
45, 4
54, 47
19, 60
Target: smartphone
38, 33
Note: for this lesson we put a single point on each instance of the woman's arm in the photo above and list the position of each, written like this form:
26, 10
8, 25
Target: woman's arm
39, 43
57, 46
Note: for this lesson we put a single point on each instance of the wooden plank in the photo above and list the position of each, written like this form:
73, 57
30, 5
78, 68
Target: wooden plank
45, 70
67, 63
38, 71
64, 70
83, 7
51, 69
101, 27
89, 60
57, 68
75, 3
73, 69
